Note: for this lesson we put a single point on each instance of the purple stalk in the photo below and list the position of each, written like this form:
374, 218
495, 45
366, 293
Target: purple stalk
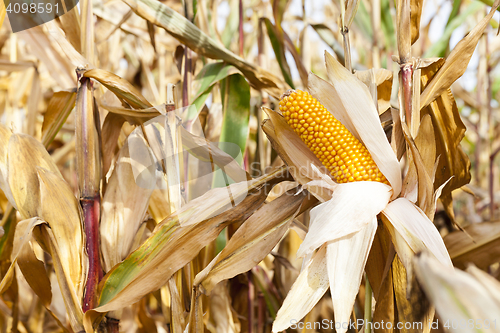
91, 213
406, 77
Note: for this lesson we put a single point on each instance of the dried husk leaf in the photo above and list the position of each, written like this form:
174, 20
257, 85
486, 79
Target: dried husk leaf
125, 91
221, 319
126, 200
346, 259
349, 100
450, 291
488, 281
306, 291
479, 244
383, 80
415, 15
449, 131
416, 229
60, 106
424, 181
253, 241
71, 299
341, 216
412, 305
456, 63
61, 210
5, 134
379, 260
24, 155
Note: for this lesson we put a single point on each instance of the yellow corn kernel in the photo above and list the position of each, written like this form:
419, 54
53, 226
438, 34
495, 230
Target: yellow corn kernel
345, 157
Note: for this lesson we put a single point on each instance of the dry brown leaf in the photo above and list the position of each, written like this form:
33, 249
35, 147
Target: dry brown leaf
449, 130
222, 318
379, 260
61, 210
70, 23
415, 14
126, 92
424, 180
478, 245
111, 129
60, 106
411, 302
23, 150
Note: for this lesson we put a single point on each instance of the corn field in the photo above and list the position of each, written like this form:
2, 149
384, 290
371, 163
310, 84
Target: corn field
254, 166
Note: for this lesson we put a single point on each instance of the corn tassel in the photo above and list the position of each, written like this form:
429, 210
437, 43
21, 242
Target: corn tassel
341, 153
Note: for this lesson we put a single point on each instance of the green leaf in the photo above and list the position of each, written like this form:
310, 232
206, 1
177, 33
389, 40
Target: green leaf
438, 49
279, 50
231, 27
235, 95
211, 74
387, 24
208, 77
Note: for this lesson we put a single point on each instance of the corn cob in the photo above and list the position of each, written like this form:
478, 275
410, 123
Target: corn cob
341, 153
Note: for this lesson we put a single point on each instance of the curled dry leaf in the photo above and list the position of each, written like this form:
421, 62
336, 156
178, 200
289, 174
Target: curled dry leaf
125, 91
449, 130
252, 242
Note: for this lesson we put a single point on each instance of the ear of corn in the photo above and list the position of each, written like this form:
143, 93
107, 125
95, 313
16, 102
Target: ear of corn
341, 153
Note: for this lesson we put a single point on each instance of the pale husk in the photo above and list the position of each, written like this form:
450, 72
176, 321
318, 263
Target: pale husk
416, 229
457, 296
342, 216
307, 290
346, 260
